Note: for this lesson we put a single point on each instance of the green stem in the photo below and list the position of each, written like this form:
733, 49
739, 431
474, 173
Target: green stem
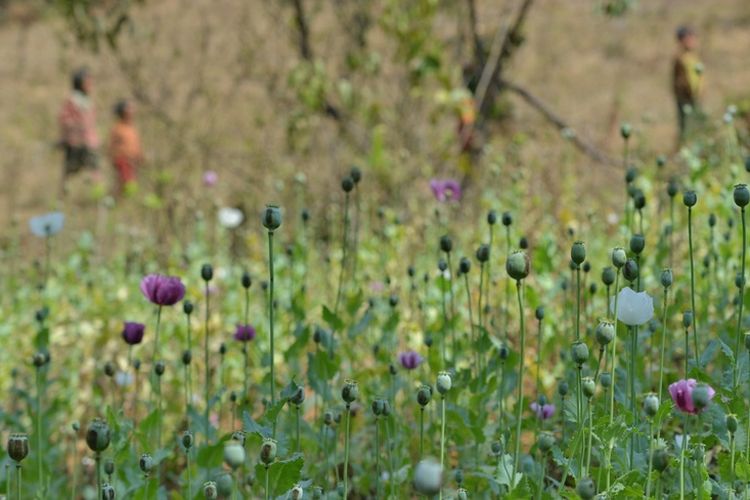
581, 419
650, 457
346, 452
445, 325
501, 395
613, 356
591, 437
663, 342
98, 464
270, 322
742, 301
453, 308
692, 286
18, 481
541, 478
578, 302
39, 426
207, 363
421, 432
682, 460
442, 437
156, 336
633, 360
519, 411
377, 457
731, 460
189, 478
471, 321
268, 489
344, 245
506, 298
298, 426
539, 357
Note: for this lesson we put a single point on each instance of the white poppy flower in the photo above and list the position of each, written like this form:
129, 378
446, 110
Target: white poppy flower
633, 308
428, 477
48, 224
230, 217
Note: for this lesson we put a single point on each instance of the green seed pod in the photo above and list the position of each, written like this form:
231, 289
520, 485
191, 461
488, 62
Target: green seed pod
637, 243
464, 265
210, 491
661, 160
689, 198
109, 369
187, 357
619, 257
442, 265
444, 383
491, 217
496, 448
428, 477
328, 418
503, 352
347, 184
625, 132
667, 278
639, 199
234, 454
424, 395
18, 447
539, 313
386, 408
651, 405
146, 463
660, 459
732, 423
605, 332
517, 265
298, 397
586, 488
483, 253
356, 174
630, 271
459, 476
562, 388
545, 442
741, 195
630, 174
377, 407
608, 276
187, 439
446, 244
207, 272
108, 492
350, 391
579, 353
159, 368
97, 435
271, 217
109, 467
268, 451
701, 396
578, 253
187, 307
38, 359
739, 280
507, 219
687, 319
588, 387
672, 188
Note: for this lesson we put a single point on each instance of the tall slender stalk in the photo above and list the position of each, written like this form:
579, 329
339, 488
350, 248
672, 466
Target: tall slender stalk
18, 481
377, 457
471, 321
421, 432
453, 308
682, 458
742, 301
207, 366
665, 306
344, 245
39, 427
650, 456
613, 357
519, 411
98, 465
692, 286
270, 322
346, 450
442, 436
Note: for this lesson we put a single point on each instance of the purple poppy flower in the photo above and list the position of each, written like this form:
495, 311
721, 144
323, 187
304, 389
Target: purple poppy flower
682, 394
132, 332
446, 189
543, 412
210, 178
410, 359
162, 290
244, 333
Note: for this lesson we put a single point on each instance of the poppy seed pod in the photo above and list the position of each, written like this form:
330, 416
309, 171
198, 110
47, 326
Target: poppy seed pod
428, 477
483, 253
667, 278
630, 270
38, 360
18, 446
689, 198
507, 219
350, 391
298, 397
146, 463
446, 244
639, 199
608, 276
98, 435
503, 352
222, 348
108, 492
159, 368
578, 253
605, 379
661, 160
712, 220
739, 280
523, 243
464, 265
651, 404
545, 442
701, 396
637, 243
377, 407
233, 397
586, 488
539, 313
442, 265
328, 418
356, 174
605, 332
271, 217
109, 369
347, 184
444, 383
187, 357
586, 267
732, 423
660, 459
687, 319
496, 448
562, 388
588, 387
424, 395
109, 467
207, 272
393, 300
268, 451
517, 265
187, 439
386, 408
187, 307
491, 217
672, 188
210, 491
411, 271
305, 214
579, 353
741, 195
625, 131
630, 174
458, 475
619, 257
136, 364
246, 280
234, 454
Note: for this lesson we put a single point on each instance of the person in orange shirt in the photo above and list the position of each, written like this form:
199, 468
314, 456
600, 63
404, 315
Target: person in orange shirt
125, 151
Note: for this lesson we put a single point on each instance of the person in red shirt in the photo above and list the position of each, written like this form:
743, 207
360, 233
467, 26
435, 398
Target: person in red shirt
125, 151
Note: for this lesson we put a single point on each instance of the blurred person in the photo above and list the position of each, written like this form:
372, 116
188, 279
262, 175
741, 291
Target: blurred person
78, 137
125, 151
687, 77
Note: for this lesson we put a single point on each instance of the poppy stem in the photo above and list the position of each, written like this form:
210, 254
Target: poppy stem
453, 309
270, 322
156, 336
742, 300
682, 458
18, 481
692, 286
519, 402
207, 362
665, 308
346, 451
442, 437
445, 324
471, 322
614, 378
298, 426
377, 457
344, 245
39, 425
650, 456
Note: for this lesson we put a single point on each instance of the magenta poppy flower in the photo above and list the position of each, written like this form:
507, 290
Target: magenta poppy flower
446, 189
410, 359
543, 412
132, 332
682, 394
244, 333
162, 290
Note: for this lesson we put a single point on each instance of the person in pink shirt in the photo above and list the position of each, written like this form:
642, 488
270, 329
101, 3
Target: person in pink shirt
78, 137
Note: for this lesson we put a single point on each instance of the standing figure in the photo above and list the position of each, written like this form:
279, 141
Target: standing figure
687, 78
125, 151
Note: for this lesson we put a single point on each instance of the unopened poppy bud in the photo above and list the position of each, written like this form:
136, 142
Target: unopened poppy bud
386, 408
233, 396
608, 276
108, 492
187, 357
377, 407
579, 353
606, 379
268, 451
578, 253
234, 454
246, 280
660, 459
712, 220
507, 219
625, 131
459, 476
586, 488
661, 160
517, 265
491, 217
109, 369
523, 243
496, 447
298, 397
461, 494
539, 313
347, 184
76, 426
159, 368
630, 270
356, 174
187, 307
136, 364
424, 394
586, 267
444, 383
637, 243
741, 195
588, 387
328, 418
349, 392
109, 467
605, 332
483, 253
271, 217
393, 300
503, 352
739, 280
639, 199
18, 446
442, 265
38, 360
731, 422
687, 319
146, 463
305, 214
563, 388
98, 435
187, 439
701, 396
392, 369
464, 265
651, 404
619, 257
210, 491
667, 278
672, 188
297, 493
428, 340
411, 271
689, 198
446, 244
207, 272
545, 442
